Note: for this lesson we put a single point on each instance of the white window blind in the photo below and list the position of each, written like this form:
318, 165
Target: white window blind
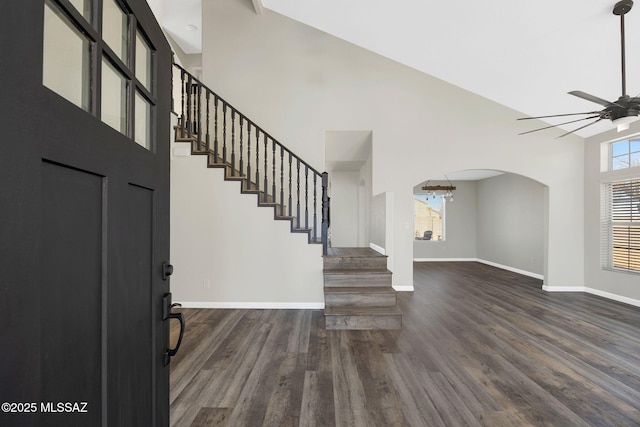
620, 233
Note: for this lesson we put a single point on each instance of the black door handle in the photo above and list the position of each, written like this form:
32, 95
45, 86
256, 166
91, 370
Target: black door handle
170, 352
168, 315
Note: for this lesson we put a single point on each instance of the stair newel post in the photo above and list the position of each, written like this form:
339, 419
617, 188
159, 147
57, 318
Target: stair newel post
315, 207
298, 194
189, 90
233, 142
216, 153
325, 212
224, 132
281, 180
198, 107
248, 154
266, 181
182, 90
241, 168
207, 138
306, 196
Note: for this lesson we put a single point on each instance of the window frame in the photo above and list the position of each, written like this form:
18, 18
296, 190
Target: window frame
99, 49
443, 217
609, 179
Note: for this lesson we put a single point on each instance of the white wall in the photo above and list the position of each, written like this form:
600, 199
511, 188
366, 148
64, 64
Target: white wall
227, 252
344, 208
298, 82
511, 222
460, 225
621, 286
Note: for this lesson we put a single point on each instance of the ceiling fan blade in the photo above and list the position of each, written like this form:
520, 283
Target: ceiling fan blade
559, 115
559, 124
581, 127
591, 98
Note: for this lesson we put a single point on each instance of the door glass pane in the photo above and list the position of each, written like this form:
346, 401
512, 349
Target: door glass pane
84, 7
115, 29
143, 122
114, 97
65, 62
143, 61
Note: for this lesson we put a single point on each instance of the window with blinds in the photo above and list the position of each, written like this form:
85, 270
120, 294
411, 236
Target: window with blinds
621, 225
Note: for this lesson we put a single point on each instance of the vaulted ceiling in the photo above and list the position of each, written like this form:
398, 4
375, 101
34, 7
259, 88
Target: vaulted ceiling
523, 54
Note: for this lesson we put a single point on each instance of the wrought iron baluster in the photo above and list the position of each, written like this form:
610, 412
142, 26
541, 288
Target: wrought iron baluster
326, 212
315, 207
188, 123
224, 132
290, 181
198, 111
258, 161
266, 181
281, 180
216, 153
248, 155
207, 138
273, 170
306, 196
182, 115
298, 194
241, 148
233, 142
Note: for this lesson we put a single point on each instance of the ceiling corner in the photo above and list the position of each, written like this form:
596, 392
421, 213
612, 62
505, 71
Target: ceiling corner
258, 7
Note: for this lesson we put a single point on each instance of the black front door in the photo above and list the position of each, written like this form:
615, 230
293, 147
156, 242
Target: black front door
84, 214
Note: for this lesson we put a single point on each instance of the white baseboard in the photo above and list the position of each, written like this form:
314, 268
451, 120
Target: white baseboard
598, 292
512, 269
403, 288
255, 305
491, 263
563, 288
614, 297
377, 248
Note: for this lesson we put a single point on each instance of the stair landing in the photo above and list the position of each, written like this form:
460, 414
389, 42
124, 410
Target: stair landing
358, 292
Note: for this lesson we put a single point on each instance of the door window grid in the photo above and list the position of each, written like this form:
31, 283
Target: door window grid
66, 57
115, 51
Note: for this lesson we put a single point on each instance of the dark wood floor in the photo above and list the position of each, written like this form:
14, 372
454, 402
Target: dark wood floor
479, 346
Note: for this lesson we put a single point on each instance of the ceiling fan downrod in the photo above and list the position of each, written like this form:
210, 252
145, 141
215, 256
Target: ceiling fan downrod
622, 8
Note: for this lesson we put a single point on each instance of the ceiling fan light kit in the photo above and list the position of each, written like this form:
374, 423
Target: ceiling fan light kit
621, 112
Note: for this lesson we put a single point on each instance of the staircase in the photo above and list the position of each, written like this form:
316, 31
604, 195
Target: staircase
357, 290
279, 178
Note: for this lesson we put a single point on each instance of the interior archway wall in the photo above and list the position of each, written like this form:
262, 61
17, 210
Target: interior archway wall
500, 220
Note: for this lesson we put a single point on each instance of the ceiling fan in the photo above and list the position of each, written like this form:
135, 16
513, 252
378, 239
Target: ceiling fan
621, 112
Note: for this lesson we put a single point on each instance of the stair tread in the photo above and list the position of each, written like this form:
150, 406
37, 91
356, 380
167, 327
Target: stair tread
359, 289
357, 271
362, 311
335, 252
